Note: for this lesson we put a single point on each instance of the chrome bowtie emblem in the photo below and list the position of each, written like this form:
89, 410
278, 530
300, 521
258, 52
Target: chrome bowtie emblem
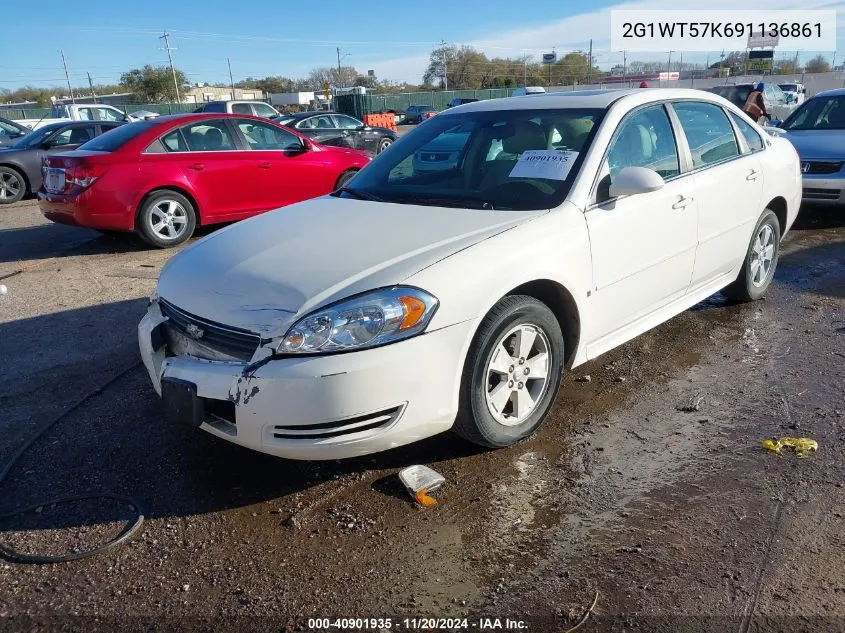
193, 331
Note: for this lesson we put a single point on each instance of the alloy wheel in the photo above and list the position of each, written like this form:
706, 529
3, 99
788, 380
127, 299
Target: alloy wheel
168, 219
761, 255
517, 374
10, 186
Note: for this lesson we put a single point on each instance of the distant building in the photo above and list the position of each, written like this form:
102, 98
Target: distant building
200, 94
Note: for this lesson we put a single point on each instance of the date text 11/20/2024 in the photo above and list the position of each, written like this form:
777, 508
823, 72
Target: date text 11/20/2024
417, 624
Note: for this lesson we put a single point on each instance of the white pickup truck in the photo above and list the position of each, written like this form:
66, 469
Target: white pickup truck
77, 112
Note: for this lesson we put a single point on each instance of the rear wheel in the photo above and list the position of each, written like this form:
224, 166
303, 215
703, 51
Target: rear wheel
512, 373
344, 178
166, 218
761, 259
12, 185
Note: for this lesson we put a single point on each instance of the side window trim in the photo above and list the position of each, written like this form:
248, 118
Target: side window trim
742, 144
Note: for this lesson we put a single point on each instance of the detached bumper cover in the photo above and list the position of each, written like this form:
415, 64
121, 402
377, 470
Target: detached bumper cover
321, 407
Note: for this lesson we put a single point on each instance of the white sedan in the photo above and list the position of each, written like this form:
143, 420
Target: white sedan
409, 303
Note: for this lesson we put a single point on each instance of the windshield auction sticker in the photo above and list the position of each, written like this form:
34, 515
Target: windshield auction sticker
712, 30
551, 164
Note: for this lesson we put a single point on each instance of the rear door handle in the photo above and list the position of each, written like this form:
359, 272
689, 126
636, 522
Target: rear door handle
683, 202
196, 166
265, 165
752, 175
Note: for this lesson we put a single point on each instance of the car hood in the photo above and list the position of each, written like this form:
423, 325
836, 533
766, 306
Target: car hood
262, 273
819, 144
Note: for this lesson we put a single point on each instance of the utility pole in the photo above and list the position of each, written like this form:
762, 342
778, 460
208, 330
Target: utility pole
445, 73
669, 69
339, 77
590, 64
67, 76
91, 85
231, 81
170, 57
624, 65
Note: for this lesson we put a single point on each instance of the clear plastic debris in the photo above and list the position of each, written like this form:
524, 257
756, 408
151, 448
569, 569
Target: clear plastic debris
419, 481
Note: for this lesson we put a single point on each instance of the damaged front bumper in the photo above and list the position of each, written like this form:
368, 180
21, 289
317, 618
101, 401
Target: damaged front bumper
318, 407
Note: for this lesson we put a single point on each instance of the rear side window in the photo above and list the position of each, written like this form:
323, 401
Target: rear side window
755, 143
709, 133
115, 138
207, 136
214, 107
241, 108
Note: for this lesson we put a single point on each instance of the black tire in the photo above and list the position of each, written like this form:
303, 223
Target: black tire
344, 178
748, 286
154, 204
12, 185
383, 144
475, 421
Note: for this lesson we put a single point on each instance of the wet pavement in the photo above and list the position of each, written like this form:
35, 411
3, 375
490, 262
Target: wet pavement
646, 486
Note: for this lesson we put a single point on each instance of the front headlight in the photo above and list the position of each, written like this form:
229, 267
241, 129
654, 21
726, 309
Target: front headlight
374, 318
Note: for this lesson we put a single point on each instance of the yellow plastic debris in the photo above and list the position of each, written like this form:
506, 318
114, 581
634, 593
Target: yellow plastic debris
425, 499
801, 445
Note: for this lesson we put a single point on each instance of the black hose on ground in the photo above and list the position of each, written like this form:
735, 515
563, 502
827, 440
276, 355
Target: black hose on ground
128, 531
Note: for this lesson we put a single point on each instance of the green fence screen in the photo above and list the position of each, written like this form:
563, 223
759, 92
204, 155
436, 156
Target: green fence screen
359, 105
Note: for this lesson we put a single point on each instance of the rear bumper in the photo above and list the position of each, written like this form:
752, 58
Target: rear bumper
86, 208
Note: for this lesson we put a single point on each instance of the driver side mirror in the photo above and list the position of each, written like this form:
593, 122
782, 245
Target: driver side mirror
631, 181
306, 146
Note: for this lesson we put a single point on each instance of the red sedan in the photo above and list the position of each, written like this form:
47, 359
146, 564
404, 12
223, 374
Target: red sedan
162, 178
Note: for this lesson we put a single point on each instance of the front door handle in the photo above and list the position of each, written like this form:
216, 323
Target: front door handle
196, 166
683, 202
752, 175
265, 164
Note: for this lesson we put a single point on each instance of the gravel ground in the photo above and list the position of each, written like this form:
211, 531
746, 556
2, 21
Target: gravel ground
647, 485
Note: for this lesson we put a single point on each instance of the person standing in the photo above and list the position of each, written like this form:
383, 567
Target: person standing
755, 105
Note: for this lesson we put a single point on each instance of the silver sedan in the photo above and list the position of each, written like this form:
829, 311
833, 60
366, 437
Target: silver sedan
817, 130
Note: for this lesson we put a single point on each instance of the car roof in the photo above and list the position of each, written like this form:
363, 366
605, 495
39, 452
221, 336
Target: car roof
586, 99
305, 115
836, 92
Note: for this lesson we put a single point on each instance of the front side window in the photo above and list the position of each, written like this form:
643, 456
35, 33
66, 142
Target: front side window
709, 133
504, 159
7, 129
347, 122
645, 139
819, 113
263, 136
755, 143
214, 107
204, 136
241, 108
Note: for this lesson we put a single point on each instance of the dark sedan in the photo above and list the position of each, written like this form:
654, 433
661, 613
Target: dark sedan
340, 130
10, 131
20, 164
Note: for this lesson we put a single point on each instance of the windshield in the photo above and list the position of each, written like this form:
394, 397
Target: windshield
508, 159
788, 87
819, 113
115, 138
37, 137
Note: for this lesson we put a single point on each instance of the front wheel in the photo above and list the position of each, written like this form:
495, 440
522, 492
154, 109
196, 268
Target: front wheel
761, 259
512, 373
344, 178
166, 218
